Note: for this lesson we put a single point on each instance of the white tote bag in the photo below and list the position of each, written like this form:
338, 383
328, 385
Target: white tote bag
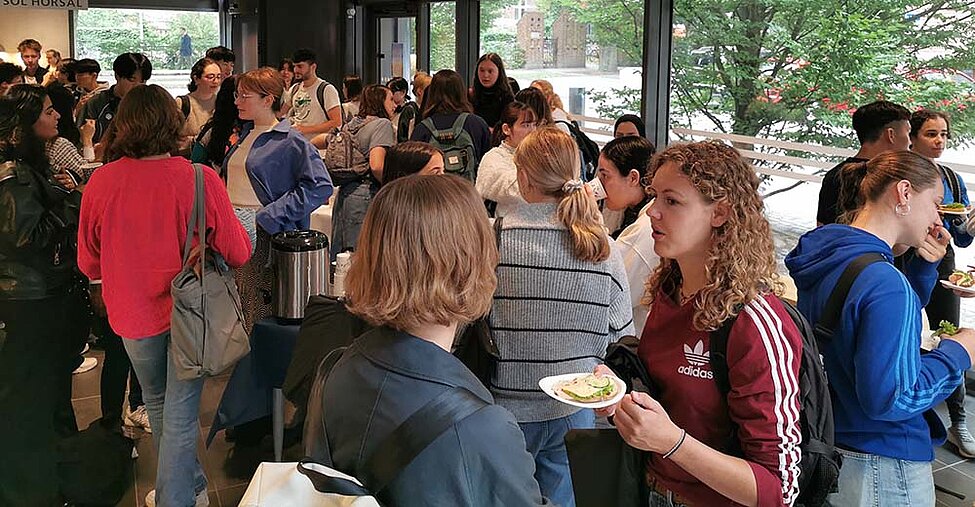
285, 485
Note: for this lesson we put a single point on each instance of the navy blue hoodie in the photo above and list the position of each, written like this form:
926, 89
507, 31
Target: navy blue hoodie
881, 384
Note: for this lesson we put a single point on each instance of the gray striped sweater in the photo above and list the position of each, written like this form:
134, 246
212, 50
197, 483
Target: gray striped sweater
552, 314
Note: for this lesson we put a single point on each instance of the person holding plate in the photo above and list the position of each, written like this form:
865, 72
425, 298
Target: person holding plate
882, 388
562, 298
717, 264
930, 131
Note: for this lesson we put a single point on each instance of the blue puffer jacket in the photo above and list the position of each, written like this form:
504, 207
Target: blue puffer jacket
386, 376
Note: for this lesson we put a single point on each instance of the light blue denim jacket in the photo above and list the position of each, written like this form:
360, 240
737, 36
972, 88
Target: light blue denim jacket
288, 176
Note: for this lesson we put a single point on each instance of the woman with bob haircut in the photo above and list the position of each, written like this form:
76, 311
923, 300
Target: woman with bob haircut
881, 386
373, 133
275, 179
623, 163
562, 298
443, 103
497, 179
134, 214
411, 157
418, 289
717, 267
42, 307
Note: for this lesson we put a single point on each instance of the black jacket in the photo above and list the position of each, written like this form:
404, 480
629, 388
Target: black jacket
37, 254
383, 378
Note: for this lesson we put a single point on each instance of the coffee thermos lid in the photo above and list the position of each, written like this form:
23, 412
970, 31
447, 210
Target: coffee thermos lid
299, 241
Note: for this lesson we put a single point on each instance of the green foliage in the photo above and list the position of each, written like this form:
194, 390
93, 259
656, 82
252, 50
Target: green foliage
103, 34
443, 38
617, 101
505, 45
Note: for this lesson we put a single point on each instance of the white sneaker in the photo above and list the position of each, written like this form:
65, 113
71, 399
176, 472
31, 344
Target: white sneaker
138, 418
87, 364
202, 499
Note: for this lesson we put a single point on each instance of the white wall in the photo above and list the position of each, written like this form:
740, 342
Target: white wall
47, 26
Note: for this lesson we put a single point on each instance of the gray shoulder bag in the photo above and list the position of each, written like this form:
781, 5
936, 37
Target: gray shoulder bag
208, 322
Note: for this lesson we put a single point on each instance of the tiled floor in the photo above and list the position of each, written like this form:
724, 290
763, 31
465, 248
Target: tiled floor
229, 469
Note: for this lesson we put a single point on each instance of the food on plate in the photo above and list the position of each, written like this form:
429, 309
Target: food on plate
954, 206
946, 328
962, 278
587, 388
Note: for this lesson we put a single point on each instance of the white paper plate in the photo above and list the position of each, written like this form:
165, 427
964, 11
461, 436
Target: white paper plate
959, 288
548, 385
967, 210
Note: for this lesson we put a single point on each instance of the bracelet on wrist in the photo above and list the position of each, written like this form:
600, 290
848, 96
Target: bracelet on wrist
683, 435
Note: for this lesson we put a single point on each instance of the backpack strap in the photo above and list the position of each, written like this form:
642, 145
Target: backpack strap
954, 183
823, 329
403, 445
458, 125
320, 93
184, 105
833, 310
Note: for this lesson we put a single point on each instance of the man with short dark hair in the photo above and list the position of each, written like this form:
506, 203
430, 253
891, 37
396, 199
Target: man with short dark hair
185, 49
130, 69
313, 104
10, 74
225, 58
881, 126
30, 53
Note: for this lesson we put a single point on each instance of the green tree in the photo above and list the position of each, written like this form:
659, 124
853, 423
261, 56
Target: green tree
794, 69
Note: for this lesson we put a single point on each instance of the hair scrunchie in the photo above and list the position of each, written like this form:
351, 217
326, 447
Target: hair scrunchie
572, 186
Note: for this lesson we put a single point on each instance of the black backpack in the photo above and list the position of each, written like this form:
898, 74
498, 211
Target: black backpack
820, 463
95, 466
587, 147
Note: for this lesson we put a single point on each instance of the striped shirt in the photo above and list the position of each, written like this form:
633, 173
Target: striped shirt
553, 314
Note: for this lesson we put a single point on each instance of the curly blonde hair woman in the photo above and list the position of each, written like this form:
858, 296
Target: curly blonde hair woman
741, 262
562, 298
716, 265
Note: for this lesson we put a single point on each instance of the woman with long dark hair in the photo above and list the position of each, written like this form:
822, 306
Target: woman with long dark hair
41, 304
444, 103
491, 91
497, 178
221, 132
197, 106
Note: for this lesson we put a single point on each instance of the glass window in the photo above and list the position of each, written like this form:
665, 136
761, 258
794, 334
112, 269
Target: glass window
591, 52
173, 40
443, 36
783, 81
397, 44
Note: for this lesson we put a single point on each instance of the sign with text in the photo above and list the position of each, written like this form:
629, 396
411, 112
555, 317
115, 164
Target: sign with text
64, 5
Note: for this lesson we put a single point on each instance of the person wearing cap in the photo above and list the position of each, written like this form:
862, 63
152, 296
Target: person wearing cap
562, 298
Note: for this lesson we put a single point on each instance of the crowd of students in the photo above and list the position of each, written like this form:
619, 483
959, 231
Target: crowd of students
693, 254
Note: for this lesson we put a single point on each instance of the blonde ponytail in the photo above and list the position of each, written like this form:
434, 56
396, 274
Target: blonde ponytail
550, 160
580, 214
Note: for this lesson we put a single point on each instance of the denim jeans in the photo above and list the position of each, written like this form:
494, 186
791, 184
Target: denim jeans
868, 480
174, 410
546, 442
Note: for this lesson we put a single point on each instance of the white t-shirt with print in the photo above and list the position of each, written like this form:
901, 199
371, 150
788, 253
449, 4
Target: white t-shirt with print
305, 109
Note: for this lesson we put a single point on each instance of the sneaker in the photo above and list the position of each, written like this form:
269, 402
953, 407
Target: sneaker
962, 440
202, 499
138, 418
86, 349
87, 364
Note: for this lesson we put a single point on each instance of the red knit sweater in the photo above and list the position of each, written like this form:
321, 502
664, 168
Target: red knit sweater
764, 352
133, 224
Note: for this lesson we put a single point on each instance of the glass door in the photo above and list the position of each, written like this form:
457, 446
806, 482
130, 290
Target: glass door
397, 48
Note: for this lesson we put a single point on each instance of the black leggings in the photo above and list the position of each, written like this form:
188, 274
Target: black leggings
116, 370
945, 305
